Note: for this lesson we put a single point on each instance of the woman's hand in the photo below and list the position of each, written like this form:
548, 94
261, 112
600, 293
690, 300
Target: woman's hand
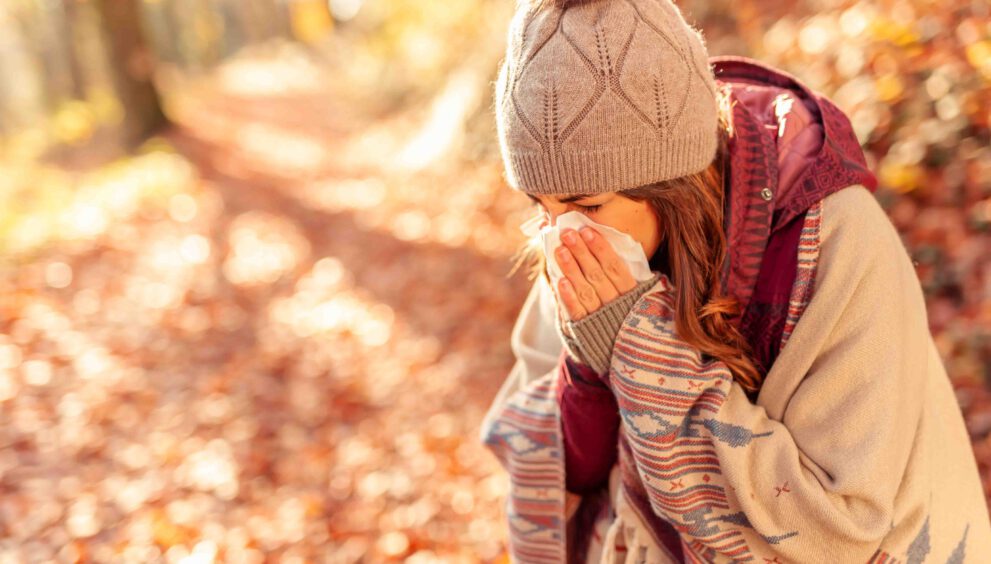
593, 273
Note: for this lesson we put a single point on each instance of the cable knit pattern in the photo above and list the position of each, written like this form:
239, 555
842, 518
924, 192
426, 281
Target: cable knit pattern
603, 96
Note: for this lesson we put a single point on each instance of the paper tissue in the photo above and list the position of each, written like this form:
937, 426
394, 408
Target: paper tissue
625, 246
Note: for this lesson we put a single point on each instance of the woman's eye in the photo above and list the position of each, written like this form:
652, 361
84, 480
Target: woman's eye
591, 208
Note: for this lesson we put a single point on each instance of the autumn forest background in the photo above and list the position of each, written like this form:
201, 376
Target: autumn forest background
255, 254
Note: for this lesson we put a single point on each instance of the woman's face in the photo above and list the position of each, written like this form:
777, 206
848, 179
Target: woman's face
636, 219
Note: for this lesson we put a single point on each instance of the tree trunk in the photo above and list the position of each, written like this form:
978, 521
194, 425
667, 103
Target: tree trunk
70, 28
130, 62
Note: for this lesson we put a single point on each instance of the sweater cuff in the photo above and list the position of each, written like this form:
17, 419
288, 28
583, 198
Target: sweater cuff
595, 334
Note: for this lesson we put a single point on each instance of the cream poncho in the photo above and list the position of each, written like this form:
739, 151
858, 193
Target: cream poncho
855, 451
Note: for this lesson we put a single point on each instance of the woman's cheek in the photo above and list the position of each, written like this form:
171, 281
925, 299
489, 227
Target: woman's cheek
624, 224
610, 219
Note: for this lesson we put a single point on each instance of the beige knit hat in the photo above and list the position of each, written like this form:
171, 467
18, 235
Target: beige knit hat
603, 95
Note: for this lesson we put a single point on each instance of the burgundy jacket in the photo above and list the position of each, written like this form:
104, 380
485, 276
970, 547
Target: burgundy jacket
789, 148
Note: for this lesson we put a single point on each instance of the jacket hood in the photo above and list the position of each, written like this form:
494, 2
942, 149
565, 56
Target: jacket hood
789, 147
805, 137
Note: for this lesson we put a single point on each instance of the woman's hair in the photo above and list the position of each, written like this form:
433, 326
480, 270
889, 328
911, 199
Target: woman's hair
691, 253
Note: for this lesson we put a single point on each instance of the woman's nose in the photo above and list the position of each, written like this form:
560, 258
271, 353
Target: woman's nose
550, 216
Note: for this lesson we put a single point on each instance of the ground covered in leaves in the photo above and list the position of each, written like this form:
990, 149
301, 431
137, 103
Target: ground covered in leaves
245, 343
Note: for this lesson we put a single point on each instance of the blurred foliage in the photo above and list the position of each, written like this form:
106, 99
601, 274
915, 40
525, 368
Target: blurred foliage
271, 331
399, 52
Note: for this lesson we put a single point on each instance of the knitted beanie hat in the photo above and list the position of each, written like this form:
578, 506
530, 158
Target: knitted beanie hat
603, 95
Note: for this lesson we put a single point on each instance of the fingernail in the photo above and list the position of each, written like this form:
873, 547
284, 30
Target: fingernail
587, 233
563, 253
569, 237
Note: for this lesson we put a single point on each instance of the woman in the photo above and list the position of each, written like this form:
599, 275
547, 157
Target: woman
666, 420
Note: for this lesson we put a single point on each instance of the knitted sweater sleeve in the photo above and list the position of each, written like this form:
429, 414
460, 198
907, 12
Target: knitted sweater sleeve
820, 477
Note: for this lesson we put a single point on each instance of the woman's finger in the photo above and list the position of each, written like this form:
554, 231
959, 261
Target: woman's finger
590, 267
614, 267
571, 302
587, 296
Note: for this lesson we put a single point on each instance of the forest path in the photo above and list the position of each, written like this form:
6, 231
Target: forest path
287, 349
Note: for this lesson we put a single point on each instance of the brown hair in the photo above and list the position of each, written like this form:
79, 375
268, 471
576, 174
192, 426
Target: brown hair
690, 209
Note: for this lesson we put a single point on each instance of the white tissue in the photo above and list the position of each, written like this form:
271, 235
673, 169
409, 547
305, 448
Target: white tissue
625, 246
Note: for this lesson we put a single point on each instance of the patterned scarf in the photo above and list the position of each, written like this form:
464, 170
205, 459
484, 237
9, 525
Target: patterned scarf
762, 267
